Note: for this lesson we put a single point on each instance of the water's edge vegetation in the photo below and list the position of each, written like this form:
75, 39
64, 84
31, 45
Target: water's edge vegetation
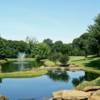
23, 74
77, 60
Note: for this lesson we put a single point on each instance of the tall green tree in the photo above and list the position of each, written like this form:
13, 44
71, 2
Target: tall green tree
48, 42
94, 30
41, 51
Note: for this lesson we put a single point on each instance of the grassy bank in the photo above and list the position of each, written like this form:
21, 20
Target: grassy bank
15, 59
90, 64
49, 63
95, 82
3, 61
20, 74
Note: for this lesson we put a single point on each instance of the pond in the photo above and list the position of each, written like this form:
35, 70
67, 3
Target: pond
39, 88
19, 66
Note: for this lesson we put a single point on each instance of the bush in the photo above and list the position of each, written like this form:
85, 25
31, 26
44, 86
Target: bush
64, 59
55, 56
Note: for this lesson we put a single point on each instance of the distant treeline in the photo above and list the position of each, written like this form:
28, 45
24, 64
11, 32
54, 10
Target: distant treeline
86, 44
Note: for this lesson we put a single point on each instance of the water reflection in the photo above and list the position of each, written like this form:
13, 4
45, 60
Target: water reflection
87, 77
0, 80
77, 81
19, 66
90, 76
43, 86
58, 75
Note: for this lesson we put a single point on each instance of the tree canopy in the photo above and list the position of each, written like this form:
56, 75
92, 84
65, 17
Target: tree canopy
88, 43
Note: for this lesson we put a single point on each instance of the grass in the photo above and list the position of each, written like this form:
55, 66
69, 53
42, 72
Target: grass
95, 82
90, 64
49, 63
15, 59
20, 74
3, 61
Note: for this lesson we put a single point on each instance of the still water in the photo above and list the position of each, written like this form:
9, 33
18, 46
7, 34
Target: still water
41, 87
19, 66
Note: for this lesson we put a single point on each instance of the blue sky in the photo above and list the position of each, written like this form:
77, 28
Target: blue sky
56, 19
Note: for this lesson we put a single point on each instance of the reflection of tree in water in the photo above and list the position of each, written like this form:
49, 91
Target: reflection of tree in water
58, 75
77, 81
17, 66
0, 80
90, 76
8, 67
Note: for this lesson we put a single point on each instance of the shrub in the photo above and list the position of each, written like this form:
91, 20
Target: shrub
64, 59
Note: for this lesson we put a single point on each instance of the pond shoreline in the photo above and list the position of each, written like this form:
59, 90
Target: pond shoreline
89, 93
35, 73
21, 74
43, 70
73, 66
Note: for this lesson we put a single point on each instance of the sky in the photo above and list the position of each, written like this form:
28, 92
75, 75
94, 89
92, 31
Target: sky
55, 19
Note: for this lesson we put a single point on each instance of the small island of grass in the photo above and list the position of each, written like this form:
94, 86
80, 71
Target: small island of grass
22, 74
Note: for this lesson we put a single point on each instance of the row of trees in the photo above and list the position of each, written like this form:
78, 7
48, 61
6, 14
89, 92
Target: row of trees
89, 42
56, 51
86, 44
44, 50
9, 48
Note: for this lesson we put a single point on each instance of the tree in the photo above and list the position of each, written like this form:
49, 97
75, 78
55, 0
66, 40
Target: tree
82, 44
48, 42
32, 42
94, 30
67, 49
55, 56
64, 59
58, 45
41, 51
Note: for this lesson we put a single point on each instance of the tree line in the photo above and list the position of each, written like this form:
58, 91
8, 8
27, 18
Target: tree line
87, 44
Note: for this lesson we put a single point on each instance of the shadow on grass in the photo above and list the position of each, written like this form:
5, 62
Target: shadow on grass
94, 64
86, 58
91, 57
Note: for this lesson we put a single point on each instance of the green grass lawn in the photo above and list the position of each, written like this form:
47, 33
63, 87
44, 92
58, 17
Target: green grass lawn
15, 59
32, 73
91, 63
95, 82
49, 63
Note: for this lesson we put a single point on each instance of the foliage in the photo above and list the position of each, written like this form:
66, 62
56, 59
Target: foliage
58, 75
48, 41
32, 42
64, 59
85, 63
10, 48
95, 82
41, 51
87, 44
55, 56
